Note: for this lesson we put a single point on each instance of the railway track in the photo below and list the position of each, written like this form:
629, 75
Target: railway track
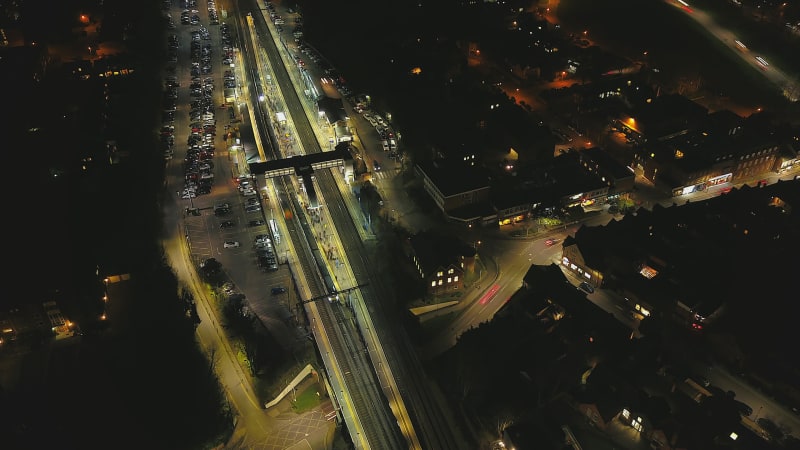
371, 407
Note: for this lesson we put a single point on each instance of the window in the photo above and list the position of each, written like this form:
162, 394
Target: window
440, 282
433, 283
438, 274
449, 280
455, 278
450, 271
637, 424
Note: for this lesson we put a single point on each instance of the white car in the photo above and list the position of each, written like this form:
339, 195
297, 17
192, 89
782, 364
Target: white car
385, 144
230, 244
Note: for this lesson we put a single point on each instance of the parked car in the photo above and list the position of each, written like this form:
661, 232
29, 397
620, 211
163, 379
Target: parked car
586, 287
230, 244
278, 290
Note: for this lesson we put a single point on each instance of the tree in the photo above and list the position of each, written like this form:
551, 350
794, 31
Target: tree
771, 428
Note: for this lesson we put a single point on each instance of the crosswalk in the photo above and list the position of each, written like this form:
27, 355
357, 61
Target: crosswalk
382, 174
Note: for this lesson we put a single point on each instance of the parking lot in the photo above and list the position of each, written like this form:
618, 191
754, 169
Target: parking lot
223, 212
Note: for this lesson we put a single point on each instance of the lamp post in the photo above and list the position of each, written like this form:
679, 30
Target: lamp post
191, 200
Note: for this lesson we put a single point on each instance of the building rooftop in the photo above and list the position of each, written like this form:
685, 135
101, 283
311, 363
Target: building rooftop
453, 178
434, 250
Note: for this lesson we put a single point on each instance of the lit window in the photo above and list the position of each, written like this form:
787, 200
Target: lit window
438, 274
449, 279
648, 272
450, 271
455, 278
626, 414
433, 283
637, 424
440, 282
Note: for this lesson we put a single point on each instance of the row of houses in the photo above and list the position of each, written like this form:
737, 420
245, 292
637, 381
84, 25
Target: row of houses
677, 261
629, 391
683, 149
679, 147
464, 193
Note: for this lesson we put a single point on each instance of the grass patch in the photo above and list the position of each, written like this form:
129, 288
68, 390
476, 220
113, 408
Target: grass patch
432, 326
306, 400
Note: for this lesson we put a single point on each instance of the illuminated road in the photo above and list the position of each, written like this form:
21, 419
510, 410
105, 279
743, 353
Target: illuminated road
750, 56
512, 259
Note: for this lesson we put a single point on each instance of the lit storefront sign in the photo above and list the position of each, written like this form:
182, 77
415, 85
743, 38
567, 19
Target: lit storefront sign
687, 190
719, 180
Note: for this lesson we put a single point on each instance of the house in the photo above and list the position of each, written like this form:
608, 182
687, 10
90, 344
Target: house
618, 177
573, 259
664, 117
789, 156
441, 261
572, 184
723, 148
564, 182
58, 324
588, 323
594, 177
664, 260
514, 206
529, 436
114, 65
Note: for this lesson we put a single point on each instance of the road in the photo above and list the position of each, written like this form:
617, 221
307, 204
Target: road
763, 406
507, 261
775, 75
493, 295
209, 331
